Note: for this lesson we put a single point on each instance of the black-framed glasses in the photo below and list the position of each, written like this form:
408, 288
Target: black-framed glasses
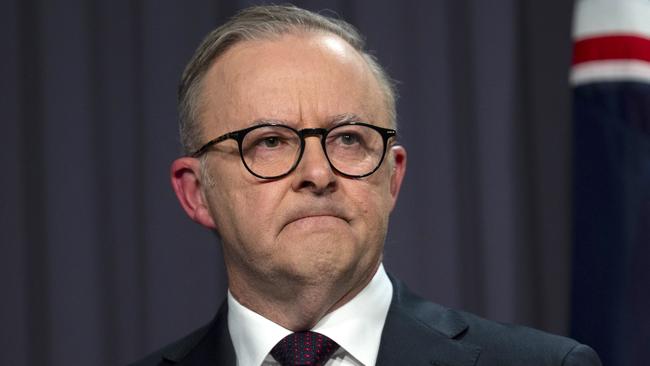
271, 151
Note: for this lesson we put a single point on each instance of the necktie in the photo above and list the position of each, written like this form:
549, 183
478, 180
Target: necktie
304, 348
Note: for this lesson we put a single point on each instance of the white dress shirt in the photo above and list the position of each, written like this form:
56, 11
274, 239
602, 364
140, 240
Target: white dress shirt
356, 327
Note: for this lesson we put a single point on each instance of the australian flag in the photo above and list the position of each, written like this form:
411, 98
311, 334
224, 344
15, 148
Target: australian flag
611, 185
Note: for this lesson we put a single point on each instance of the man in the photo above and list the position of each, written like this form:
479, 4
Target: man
289, 129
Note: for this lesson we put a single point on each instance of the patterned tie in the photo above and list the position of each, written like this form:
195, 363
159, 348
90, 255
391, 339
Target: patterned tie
304, 348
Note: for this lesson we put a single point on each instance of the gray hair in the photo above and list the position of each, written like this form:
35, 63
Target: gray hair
262, 22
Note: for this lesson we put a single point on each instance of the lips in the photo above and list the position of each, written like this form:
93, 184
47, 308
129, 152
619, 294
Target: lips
315, 213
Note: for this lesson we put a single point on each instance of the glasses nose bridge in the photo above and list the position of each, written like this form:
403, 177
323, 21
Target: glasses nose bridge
307, 132
321, 133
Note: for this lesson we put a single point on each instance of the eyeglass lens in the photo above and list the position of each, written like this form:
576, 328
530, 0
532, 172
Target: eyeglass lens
271, 151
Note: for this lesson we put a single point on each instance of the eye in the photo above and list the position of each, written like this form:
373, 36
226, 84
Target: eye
349, 138
270, 141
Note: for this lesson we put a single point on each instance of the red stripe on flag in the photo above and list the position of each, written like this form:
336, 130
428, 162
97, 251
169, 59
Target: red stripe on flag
619, 47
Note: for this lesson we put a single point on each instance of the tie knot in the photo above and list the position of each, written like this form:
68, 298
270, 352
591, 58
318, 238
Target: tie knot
304, 348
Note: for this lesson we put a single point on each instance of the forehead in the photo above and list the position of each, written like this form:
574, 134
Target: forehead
303, 80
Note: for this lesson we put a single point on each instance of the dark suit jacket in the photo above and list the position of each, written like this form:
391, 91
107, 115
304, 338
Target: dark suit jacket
416, 332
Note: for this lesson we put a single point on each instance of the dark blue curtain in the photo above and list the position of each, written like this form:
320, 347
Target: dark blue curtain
98, 263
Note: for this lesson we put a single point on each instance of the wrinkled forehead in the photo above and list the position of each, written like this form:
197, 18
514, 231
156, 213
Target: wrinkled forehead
303, 79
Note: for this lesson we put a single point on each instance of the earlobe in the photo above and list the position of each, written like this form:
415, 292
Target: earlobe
186, 181
398, 156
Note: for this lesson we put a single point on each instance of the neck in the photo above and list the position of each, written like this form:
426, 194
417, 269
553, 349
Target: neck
297, 305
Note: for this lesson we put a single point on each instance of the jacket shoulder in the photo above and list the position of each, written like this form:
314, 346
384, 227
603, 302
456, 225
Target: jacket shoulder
175, 350
499, 343
506, 344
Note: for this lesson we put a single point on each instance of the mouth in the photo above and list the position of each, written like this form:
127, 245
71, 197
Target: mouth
313, 224
316, 218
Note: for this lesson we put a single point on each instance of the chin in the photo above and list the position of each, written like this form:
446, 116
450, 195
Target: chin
329, 266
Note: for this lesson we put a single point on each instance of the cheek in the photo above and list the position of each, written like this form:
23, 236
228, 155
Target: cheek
245, 211
373, 205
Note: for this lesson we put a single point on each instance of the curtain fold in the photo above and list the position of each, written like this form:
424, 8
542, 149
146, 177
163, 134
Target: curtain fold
99, 264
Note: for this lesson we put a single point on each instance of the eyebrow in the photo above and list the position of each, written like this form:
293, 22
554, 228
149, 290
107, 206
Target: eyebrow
336, 120
345, 118
266, 121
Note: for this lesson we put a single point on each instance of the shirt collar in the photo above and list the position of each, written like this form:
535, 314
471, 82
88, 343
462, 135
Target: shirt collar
356, 326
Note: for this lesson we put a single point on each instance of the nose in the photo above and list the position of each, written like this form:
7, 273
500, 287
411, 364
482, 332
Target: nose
314, 172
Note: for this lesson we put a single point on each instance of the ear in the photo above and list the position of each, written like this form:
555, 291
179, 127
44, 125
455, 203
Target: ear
186, 181
398, 155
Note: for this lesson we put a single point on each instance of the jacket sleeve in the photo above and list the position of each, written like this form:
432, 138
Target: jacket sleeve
581, 355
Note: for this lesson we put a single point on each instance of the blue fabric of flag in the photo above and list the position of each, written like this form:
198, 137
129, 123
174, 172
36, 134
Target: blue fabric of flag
611, 193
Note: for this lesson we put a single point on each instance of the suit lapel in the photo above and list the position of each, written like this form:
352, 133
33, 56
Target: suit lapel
209, 347
418, 332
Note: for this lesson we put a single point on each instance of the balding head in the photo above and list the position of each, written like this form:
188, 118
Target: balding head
260, 23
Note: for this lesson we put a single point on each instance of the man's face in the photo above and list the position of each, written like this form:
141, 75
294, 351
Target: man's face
313, 225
